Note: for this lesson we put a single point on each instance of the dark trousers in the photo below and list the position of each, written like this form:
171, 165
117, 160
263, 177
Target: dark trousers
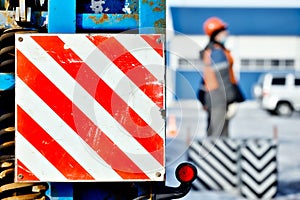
217, 123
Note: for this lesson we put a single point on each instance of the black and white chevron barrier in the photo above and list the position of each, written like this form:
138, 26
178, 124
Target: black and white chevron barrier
217, 164
259, 169
246, 167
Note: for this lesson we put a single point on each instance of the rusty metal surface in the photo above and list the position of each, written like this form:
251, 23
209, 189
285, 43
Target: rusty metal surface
145, 15
112, 18
157, 10
107, 21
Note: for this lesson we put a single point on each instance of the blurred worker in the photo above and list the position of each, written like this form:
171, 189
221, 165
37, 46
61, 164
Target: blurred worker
219, 91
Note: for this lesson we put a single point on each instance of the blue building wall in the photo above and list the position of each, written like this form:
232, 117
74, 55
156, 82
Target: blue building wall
187, 83
241, 21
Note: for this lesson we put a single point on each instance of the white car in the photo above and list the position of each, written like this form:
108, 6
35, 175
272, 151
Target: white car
278, 93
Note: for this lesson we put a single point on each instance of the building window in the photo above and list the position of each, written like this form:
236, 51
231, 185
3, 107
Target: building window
267, 64
289, 63
259, 62
275, 63
245, 62
183, 62
189, 63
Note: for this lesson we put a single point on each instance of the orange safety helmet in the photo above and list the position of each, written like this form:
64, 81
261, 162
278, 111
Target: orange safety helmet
213, 24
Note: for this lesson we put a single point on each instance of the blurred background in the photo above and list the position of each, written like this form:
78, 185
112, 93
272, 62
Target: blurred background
264, 38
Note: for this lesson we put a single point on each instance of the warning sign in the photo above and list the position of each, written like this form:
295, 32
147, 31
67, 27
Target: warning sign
89, 107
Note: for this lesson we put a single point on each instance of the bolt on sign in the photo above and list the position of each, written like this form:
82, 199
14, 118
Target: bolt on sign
90, 107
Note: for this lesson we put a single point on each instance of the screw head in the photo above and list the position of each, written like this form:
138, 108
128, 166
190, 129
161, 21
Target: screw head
20, 176
158, 174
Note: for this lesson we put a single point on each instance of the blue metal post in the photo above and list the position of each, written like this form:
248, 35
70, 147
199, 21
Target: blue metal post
62, 16
61, 19
152, 16
60, 191
148, 17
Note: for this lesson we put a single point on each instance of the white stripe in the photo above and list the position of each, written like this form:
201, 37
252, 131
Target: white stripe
234, 144
201, 174
221, 156
122, 139
83, 100
259, 163
232, 154
211, 148
220, 66
259, 148
271, 193
259, 188
203, 153
35, 161
144, 53
218, 178
259, 176
117, 80
219, 166
198, 184
248, 193
63, 134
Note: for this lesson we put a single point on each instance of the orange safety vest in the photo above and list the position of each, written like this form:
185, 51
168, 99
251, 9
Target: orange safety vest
210, 76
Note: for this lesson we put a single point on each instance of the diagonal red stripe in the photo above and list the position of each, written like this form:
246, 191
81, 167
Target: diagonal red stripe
77, 120
25, 172
155, 42
49, 148
104, 95
127, 63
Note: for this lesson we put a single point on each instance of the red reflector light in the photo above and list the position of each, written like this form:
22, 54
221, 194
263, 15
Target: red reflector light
186, 173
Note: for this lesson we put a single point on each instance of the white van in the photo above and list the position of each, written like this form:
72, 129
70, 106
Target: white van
278, 93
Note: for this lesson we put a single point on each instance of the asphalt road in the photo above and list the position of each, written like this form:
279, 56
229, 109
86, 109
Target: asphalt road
249, 122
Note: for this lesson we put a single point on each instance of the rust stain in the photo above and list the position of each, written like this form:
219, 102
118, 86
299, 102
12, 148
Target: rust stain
113, 17
128, 16
151, 3
160, 26
158, 5
100, 20
162, 4
134, 6
157, 9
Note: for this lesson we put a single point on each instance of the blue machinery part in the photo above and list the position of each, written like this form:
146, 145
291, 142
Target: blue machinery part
148, 16
7, 81
186, 173
110, 16
143, 16
68, 18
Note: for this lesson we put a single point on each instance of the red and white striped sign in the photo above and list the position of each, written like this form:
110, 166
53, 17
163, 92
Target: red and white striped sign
89, 107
